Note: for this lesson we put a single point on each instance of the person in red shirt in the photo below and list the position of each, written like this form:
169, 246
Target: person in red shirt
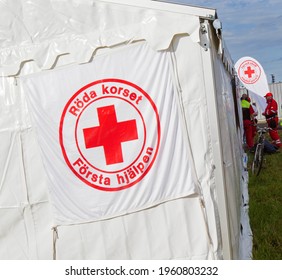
271, 116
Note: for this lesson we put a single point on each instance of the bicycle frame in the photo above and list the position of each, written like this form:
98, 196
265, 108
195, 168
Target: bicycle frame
259, 152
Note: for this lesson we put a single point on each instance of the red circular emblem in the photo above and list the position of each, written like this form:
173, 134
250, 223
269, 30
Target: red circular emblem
110, 134
249, 72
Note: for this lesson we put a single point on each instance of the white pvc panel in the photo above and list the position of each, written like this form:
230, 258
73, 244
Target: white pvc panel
173, 230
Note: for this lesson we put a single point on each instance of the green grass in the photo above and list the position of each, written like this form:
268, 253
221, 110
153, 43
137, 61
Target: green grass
265, 210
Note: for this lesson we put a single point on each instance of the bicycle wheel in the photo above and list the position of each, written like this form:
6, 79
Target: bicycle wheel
257, 161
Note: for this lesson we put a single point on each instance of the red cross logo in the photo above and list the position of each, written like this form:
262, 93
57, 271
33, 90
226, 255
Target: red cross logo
249, 72
103, 147
110, 134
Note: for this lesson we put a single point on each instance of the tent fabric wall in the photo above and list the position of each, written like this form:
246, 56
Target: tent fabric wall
235, 173
154, 233
62, 28
231, 152
191, 81
179, 224
24, 198
196, 227
28, 218
276, 89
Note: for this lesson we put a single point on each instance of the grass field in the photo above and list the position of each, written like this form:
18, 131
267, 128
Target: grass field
265, 211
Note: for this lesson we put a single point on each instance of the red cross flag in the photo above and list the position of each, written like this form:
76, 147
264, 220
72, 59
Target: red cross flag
111, 134
253, 77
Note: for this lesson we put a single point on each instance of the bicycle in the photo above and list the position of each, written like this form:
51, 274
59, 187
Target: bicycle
259, 152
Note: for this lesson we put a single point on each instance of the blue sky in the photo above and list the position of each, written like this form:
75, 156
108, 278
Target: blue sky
251, 28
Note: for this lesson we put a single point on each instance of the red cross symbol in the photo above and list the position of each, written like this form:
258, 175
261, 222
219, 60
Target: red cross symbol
249, 72
110, 134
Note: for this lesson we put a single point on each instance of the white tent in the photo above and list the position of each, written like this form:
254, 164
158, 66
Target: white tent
42, 42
